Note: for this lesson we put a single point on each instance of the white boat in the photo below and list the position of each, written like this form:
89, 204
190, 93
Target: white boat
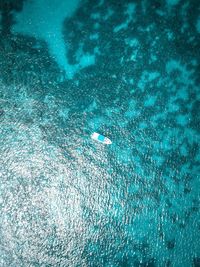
100, 138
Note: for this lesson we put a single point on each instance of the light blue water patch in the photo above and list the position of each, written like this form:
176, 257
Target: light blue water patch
185, 74
143, 125
172, 65
184, 150
198, 25
64, 113
133, 187
121, 27
132, 42
173, 107
109, 13
131, 8
93, 106
172, 2
170, 35
96, 25
197, 157
158, 160
43, 19
192, 136
86, 60
166, 145
129, 11
183, 120
95, 16
147, 77
94, 36
97, 50
150, 101
132, 110
0, 20
152, 75
153, 57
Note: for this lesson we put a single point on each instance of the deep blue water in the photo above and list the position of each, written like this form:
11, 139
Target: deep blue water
129, 70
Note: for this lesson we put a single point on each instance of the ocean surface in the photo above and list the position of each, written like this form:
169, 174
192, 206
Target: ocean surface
129, 70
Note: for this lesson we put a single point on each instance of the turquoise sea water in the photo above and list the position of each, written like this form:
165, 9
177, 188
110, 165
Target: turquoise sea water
129, 70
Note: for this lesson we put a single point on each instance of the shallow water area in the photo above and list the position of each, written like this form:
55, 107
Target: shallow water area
130, 71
